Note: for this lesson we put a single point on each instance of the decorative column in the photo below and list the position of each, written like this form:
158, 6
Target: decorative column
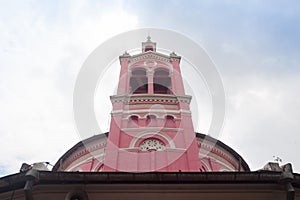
150, 74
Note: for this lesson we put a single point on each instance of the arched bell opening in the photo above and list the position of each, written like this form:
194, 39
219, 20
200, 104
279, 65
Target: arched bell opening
138, 82
162, 82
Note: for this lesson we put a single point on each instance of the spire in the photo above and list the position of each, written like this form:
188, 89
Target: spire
149, 45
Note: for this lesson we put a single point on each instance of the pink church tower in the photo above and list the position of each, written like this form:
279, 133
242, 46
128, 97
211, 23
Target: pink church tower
151, 126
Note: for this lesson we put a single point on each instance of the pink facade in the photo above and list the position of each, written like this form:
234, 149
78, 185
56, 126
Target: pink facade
151, 127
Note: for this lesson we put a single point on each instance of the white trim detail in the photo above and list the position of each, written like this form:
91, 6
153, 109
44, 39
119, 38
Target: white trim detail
151, 111
85, 161
152, 98
136, 149
163, 117
232, 168
131, 115
206, 165
144, 135
152, 129
215, 148
151, 56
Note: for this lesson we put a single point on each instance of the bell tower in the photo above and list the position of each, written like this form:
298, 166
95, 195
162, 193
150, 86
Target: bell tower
151, 126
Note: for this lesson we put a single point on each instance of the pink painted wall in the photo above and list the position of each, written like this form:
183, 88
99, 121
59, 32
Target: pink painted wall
121, 155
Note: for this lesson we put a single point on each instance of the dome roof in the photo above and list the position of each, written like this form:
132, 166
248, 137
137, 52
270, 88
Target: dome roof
88, 155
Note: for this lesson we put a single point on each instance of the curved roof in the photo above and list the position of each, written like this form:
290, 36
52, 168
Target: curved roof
77, 146
198, 135
227, 148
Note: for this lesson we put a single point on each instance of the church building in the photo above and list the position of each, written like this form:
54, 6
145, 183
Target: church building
151, 150
151, 125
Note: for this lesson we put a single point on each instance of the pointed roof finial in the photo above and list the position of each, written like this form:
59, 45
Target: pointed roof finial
126, 54
148, 38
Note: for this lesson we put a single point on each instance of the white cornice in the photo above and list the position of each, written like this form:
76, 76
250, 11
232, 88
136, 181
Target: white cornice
151, 98
150, 54
115, 112
152, 129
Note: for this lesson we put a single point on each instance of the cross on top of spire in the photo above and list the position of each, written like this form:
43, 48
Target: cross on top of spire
148, 45
148, 38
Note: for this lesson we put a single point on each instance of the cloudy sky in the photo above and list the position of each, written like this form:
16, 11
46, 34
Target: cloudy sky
254, 44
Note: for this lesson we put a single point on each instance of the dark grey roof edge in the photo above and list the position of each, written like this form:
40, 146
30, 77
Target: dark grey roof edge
17, 181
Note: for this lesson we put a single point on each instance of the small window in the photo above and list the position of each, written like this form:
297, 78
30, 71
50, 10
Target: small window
151, 121
133, 121
170, 121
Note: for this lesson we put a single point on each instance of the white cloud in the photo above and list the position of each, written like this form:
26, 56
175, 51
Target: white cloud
262, 118
42, 47
39, 59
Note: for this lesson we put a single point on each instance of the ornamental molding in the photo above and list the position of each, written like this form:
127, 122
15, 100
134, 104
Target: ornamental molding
154, 129
143, 111
75, 165
216, 150
151, 106
150, 55
224, 164
152, 144
175, 59
151, 68
215, 157
125, 58
145, 115
151, 98
207, 166
136, 149
83, 153
150, 62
